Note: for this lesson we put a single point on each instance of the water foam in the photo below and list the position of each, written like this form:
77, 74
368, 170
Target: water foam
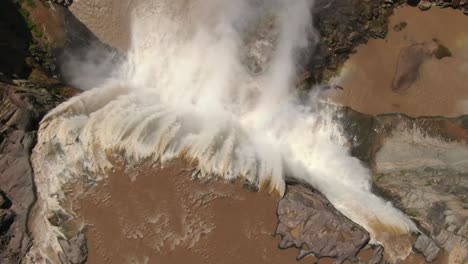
211, 81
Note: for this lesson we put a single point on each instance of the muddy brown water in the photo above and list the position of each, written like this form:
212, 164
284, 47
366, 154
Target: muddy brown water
109, 20
441, 88
161, 215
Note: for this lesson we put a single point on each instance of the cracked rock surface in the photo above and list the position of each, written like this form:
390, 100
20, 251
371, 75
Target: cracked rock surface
309, 222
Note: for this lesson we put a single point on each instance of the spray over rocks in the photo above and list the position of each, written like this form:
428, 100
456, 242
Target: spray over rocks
212, 82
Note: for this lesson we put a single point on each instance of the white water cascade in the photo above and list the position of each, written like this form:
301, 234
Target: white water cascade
211, 81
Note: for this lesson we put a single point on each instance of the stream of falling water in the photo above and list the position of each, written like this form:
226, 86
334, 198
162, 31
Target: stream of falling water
211, 81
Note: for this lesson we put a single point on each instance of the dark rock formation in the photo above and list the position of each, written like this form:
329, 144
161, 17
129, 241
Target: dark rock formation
309, 222
14, 42
343, 25
62, 47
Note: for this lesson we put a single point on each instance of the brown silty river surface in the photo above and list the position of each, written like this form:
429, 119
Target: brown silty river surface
440, 89
161, 215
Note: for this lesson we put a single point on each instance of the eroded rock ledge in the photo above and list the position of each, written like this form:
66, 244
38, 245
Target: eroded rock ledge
21, 109
421, 164
309, 222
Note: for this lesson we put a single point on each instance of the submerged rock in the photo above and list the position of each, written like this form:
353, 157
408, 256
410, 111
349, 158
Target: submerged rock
409, 63
21, 110
309, 222
412, 58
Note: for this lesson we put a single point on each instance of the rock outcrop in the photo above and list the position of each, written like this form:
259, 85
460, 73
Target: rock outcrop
21, 110
421, 164
22, 106
425, 5
309, 222
342, 26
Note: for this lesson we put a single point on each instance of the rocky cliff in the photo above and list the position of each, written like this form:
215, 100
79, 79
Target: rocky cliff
22, 106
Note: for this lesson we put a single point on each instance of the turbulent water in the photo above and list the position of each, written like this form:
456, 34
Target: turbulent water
213, 82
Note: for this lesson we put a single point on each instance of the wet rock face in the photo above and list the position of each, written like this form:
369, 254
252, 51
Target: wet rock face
15, 40
21, 110
309, 222
16, 181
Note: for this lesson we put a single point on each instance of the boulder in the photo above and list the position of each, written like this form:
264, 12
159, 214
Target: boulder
309, 222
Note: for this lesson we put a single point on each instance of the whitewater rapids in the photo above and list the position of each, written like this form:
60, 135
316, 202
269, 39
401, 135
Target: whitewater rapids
213, 82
